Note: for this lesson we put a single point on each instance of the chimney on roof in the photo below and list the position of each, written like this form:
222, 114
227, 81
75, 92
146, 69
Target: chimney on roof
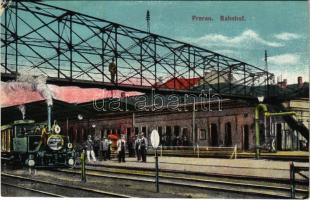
299, 81
123, 94
284, 83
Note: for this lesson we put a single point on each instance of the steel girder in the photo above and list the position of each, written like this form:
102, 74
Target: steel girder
76, 49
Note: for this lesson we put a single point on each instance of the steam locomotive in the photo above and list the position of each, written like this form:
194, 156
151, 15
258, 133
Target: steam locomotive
29, 143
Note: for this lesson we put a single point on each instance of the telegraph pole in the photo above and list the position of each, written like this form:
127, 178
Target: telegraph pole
148, 18
266, 69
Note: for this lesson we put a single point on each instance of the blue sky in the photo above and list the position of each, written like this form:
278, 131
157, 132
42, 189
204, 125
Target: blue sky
279, 27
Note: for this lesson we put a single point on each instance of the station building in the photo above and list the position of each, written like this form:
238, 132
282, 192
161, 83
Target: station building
232, 124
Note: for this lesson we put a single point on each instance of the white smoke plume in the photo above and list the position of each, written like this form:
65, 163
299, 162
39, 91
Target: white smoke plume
22, 109
29, 82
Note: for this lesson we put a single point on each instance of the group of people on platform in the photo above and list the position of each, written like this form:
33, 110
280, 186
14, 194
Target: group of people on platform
102, 148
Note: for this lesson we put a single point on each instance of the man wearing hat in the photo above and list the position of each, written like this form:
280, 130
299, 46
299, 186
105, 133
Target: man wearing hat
137, 147
113, 70
143, 147
104, 144
90, 149
121, 148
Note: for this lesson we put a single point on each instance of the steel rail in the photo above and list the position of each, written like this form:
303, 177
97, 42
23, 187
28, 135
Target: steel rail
181, 181
112, 194
32, 190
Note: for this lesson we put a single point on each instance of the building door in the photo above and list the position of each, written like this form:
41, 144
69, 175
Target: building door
279, 137
213, 135
136, 130
246, 137
228, 139
168, 134
128, 131
160, 133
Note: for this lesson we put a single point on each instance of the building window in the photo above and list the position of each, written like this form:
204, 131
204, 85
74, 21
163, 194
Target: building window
168, 136
246, 137
176, 130
136, 130
160, 133
228, 138
144, 131
213, 135
203, 134
128, 132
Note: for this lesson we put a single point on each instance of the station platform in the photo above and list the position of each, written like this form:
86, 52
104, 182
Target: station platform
235, 167
211, 152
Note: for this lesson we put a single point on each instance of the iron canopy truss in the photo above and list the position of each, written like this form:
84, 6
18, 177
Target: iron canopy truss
76, 49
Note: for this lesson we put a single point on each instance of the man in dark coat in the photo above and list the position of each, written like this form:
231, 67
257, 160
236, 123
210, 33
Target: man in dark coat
143, 147
121, 149
137, 147
104, 145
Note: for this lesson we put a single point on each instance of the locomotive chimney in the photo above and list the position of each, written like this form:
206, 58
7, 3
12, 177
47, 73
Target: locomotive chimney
49, 118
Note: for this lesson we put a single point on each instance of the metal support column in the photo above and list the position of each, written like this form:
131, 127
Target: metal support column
244, 80
70, 48
141, 66
58, 49
6, 39
16, 37
174, 70
115, 54
189, 67
155, 59
102, 54
218, 73
194, 122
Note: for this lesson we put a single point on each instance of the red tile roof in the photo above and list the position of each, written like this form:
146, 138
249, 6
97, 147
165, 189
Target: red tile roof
180, 83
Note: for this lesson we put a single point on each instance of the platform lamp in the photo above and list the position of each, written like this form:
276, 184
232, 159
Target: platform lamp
259, 107
261, 99
93, 126
80, 117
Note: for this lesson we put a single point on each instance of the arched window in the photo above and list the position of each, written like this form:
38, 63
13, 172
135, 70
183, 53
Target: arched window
246, 137
228, 138
213, 135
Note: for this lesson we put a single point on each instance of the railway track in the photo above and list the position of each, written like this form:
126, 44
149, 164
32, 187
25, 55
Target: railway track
248, 187
54, 189
26, 189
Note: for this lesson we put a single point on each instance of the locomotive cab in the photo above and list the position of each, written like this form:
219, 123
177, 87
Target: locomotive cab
21, 129
29, 143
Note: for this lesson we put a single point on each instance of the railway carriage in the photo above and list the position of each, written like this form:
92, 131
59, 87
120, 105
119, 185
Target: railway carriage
28, 143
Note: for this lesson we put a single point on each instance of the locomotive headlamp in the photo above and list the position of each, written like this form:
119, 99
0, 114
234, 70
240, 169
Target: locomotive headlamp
71, 161
80, 117
69, 145
55, 142
57, 129
31, 163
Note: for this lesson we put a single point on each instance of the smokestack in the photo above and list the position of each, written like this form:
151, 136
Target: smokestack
123, 94
299, 81
49, 117
22, 109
